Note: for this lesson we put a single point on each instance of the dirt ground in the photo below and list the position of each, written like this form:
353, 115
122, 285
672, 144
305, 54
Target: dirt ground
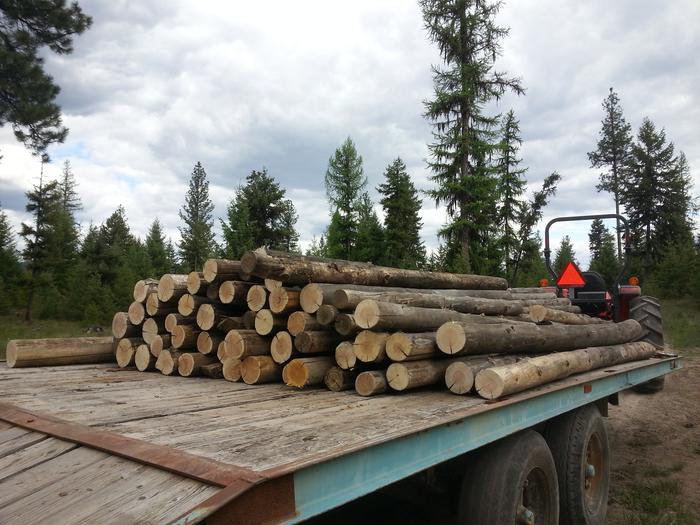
655, 442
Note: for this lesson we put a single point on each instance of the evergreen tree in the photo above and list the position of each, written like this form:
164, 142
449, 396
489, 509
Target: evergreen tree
344, 181
612, 152
511, 186
197, 238
402, 222
369, 245
27, 93
564, 255
468, 40
113, 241
656, 194
63, 250
70, 200
288, 236
238, 236
317, 247
159, 260
602, 248
10, 269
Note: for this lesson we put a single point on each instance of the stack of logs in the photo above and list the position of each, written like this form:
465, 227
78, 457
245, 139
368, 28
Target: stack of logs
306, 321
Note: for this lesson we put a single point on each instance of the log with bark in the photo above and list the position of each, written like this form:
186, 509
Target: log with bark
156, 307
125, 352
196, 284
317, 342
492, 383
299, 270
539, 313
299, 322
167, 362
189, 304
184, 337
256, 297
231, 369
208, 342
173, 320
212, 292
283, 300
209, 315
370, 347
466, 338
217, 270
266, 323
260, 369
143, 359
271, 284
249, 319
159, 343
213, 370
123, 327
171, 287
281, 347
152, 327
306, 371
326, 315
459, 376
345, 324
136, 313
345, 355
233, 322
411, 347
337, 379
243, 343
188, 365
59, 351
143, 287
234, 292
371, 383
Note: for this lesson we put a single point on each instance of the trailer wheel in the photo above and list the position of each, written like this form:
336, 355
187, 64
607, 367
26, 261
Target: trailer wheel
581, 450
511, 481
647, 311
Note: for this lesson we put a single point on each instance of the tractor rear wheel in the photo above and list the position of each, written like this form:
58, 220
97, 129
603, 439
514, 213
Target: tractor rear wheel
646, 311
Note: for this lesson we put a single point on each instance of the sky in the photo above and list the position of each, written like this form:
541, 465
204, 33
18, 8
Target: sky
154, 87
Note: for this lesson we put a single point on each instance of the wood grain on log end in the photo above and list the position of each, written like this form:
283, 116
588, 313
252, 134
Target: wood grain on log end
337, 379
136, 313
232, 369
206, 317
260, 369
370, 347
397, 376
151, 328
326, 314
160, 343
311, 298
196, 283
489, 384
367, 314
256, 298
345, 355
126, 350
371, 383
281, 347
459, 378
450, 338
143, 358
143, 287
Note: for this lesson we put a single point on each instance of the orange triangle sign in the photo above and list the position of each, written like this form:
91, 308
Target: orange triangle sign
570, 277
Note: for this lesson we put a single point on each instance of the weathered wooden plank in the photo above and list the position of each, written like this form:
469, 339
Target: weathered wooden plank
27, 457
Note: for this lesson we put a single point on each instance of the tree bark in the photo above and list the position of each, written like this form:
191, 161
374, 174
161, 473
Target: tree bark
299, 322
411, 347
493, 383
152, 327
249, 319
212, 292
214, 370
370, 347
136, 313
345, 325
306, 371
126, 351
232, 369
143, 359
215, 269
337, 379
122, 327
184, 337
171, 287
228, 323
415, 374
208, 342
144, 287
244, 343
371, 383
284, 300
59, 351
256, 297
260, 369
539, 313
317, 342
459, 376
266, 323
160, 343
234, 292
300, 270
281, 347
188, 365
466, 338
196, 285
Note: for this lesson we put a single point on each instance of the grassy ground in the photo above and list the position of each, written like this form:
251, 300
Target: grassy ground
681, 318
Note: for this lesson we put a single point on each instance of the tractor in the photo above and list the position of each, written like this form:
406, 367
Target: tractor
588, 291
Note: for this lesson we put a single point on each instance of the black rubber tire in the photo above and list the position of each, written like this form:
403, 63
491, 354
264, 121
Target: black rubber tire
494, 483
647, 311
568, 437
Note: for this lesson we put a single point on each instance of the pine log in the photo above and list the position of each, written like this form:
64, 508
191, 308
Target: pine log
188, 364
565, 308
159, 343
231, 322
136, 313
371, 383
493, 383
459, 376
345, 324
527, 290
209, 315
337, 379
214, 370
189, 304
215, 268
152, 327
266, 323
271, 284
234, 292
345, 355
376, 315
299, 270
196, 285
244, 343
122, 327
208, 342
232, 369
171, 287
557, 301
143, 287
306, 371
370, 347
466, 338
173, 320
143, 359
411, 347
156, 307
260, 369
281, 347
256, 297
316, 342
249, 319
167, 362
299, 322
539, 313
326, 315
126, 351
283, 300
221, 351
59, 351
184, 337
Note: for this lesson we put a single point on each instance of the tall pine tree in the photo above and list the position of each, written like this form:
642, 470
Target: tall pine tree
564, 255
468, 40
10, 269
402, 223
159, 260
601, 244
369, 244
344, 181
197, 238
612, 152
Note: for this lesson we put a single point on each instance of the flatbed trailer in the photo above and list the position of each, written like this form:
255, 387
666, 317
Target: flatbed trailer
99, 444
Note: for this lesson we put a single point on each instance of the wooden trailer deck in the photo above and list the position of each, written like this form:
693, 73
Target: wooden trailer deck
95, 443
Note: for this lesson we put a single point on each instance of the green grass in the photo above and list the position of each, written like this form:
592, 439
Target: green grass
681, 319
13, 328
656, 502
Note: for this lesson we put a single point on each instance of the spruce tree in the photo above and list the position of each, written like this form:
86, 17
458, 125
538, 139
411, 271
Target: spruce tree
564, 255
10, 269
344, 181
369, 244
237, 233
197, 238
288, 236
602, 249
113, 242
402, 223
511, 186
612, 152
159, 261
468, 39
70, 200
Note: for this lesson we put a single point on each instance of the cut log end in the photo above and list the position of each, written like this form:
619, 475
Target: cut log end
143, 359
450, 338
271, 284
232, 369
489, 384
281, 347
195, 283
370, 347
307, 371
397, 376
256, 298
367, 314
186, 365
326, 314
345, 355
143, 287
311, 298
398, 346
337, 379
209, 270
371, 383
265, 322
206, 317
160, 343
126, 351
260, 369
122, 326
459, 378
136, 313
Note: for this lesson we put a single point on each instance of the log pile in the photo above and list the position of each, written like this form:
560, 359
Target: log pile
308, 321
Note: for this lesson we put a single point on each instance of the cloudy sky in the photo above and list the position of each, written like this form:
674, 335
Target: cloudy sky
154, 87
